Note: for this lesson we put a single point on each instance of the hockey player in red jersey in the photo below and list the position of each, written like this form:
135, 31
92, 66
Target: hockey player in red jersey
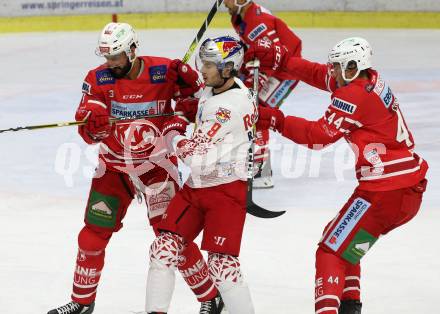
214, 197
252, 22
128, 87
391, 176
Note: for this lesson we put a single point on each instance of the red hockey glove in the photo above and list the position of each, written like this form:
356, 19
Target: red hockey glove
270, 118
272, 56
187, 107
262, 80
176, 125
184, 76
172, 128
97, 126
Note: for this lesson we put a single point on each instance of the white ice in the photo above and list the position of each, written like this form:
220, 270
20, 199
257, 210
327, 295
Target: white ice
41, 211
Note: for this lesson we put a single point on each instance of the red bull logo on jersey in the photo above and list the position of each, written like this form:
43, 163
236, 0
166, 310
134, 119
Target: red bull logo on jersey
223, 115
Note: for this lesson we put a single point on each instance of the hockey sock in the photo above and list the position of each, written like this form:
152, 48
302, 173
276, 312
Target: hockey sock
195, 272
329, 282
89, 264
164, 253
352, 287
225, 273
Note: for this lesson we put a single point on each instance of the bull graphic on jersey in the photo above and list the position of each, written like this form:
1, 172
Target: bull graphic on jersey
223, 115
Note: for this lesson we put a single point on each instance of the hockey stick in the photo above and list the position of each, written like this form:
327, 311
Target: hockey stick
185, 59
202, 31
253, 208
73, 123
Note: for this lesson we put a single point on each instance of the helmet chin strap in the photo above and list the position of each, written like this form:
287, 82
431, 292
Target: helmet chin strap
131, 62
241, 6
348, 80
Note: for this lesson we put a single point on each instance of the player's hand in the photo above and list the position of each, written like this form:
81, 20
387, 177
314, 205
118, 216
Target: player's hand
272, 56
182, 74
262, 80
97, 118
270, 118
172, 128
187, 107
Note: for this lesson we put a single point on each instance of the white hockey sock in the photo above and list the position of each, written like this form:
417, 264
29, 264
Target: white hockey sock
225, 272
164, 254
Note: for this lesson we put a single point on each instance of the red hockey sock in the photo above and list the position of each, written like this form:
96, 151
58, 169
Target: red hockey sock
352, 287
329, 282
194, 270
89, 264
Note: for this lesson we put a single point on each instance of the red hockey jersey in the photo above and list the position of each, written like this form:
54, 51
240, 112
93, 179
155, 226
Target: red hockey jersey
131, 142
367, 114
258, 22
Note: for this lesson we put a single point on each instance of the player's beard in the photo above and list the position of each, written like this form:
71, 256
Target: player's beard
120, 72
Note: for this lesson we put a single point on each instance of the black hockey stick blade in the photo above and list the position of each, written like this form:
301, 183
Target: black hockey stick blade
260, 212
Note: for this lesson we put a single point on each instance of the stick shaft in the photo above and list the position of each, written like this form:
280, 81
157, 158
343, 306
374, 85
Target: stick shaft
256, 69
202, 31
73, 123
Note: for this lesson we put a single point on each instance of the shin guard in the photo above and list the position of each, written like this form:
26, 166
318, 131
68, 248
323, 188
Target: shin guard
89, 264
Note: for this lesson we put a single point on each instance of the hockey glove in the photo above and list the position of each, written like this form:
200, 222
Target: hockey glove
187, 107
262, 80
270, 118
176, 125
272, 56
97, 118
184, 76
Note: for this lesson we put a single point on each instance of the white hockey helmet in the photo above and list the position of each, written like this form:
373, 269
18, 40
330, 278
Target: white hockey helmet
116, 38
222, 51
241, 6
354, 49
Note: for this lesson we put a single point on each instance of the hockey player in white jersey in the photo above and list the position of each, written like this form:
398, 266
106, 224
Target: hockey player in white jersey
214, 197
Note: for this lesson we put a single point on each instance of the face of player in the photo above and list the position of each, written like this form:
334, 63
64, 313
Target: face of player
211, 75
230, 5
336, 73
119, 65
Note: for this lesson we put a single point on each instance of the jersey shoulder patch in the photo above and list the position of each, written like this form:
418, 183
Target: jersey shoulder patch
257, 31
343, 105
104, 77
86, 88
157, 73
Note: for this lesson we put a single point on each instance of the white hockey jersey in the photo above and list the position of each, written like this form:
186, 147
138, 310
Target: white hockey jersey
217, 151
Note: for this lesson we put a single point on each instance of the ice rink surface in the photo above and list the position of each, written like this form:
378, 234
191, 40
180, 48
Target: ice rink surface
41, 210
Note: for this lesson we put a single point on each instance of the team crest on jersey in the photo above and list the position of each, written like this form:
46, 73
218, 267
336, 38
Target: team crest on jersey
158, 74
136, 137
343, 105
86, 88
223, 115
104, 77
257, 31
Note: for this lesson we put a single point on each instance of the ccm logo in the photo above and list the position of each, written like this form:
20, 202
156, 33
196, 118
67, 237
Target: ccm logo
126, 97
